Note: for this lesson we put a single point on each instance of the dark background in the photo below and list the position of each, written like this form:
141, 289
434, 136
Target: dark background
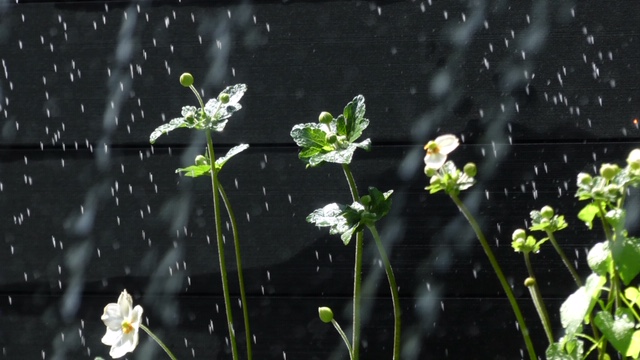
538, 91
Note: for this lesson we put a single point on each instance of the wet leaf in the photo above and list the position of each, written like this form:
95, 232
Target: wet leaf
579, 304
620, 331
196, 170
588, 213
625, 253
231, 153
570, 350
599, 258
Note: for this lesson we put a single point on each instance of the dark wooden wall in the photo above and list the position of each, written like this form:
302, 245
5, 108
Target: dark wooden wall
538, 90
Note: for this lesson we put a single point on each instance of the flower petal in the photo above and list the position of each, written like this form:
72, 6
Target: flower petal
112, 317
111, 337
136, 316
435, 161
447, 143
125, 302
127, 343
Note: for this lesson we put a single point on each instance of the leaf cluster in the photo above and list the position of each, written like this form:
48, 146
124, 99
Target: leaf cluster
450, 180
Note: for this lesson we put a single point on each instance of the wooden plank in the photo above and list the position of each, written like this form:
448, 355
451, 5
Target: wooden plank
284, 327
133, 219
74, 73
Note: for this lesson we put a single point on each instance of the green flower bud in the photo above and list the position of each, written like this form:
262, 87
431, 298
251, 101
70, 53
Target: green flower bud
332, 138
608, 171
325, 118
429, 171
529, 282
365, 200
186, 79
584, 179
470, 169
224, 98
434, 180
547, 212
612, 189
519, 234
634, 159
201, 160
325, 313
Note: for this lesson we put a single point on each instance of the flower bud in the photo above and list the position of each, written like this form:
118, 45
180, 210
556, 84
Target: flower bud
429, 171
608, 171
470, 169
547, 212
332, 138
186, 79
201, 160
518, 234
365, 200
325, 118
325, 313
634, 159
529, 282
584, 179
224, 98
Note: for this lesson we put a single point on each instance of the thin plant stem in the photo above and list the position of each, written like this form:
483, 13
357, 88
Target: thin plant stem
344, 337
157, 340
220, 243
496, 268
536, 296
357, 272
243, 295
564, 258
395, 297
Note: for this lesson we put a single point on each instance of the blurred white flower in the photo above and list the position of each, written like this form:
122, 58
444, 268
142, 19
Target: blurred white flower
122, 324
634, 159
438, 149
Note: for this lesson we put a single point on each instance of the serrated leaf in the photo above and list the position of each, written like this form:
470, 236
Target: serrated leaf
231, 153
571, 350
626, 254
310, 135
218, 111
365, 145
380, 204
619, 330
355, 122
166, 128
339, 219
195, 170
588, 213
599, 258
574, 310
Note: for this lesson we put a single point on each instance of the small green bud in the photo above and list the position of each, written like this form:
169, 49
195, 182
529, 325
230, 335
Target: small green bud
519, 234
470, 169
332, 138
224, 98
325, 118
634, 159
612, 189
547, 212
529, 282
186, 79
584, 179
608, 171
365, 200
325, 313
429, 171
201, 160
434, 180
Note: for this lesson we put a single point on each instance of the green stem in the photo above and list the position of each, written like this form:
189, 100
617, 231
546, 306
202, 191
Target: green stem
193, 89
220, 243
243, 295
157, 340
357, 271
496, 268
536, 296
344, 337
395, 297
564, 258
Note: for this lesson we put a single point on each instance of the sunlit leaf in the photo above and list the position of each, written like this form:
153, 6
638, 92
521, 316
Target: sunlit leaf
569, 350
196, 170
632, 294
231, 153
599, 258
620, 331
574, 310
588, 213
626, 255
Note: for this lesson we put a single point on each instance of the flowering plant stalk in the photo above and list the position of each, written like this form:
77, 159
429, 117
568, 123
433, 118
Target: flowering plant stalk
213, 117
605, 302
334, 140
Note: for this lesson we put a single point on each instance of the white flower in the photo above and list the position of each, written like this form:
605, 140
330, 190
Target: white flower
634, 159
122, 325
438, 149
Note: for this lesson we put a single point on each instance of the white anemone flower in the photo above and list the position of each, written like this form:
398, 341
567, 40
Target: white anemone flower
438, 149
122, 324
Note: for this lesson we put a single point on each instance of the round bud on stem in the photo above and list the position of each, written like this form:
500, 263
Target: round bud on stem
547, 212
325, 118
529, 282
429, 171
365, 200
224, 98
518, 234
325, 313
186, 79
608, 171
584, 179
470, 169
201, 160
332, 138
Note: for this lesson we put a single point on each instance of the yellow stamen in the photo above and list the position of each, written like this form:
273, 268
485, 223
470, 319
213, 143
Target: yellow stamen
126, 327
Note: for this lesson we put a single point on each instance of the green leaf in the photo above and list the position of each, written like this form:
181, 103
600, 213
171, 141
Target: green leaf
196, 170
599, 258
632, 294
218, 111
231, 153
574, 310
626, 258
379, 206
339, 219
355, 123
191, 116
569, 350
620, 331
588, 213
